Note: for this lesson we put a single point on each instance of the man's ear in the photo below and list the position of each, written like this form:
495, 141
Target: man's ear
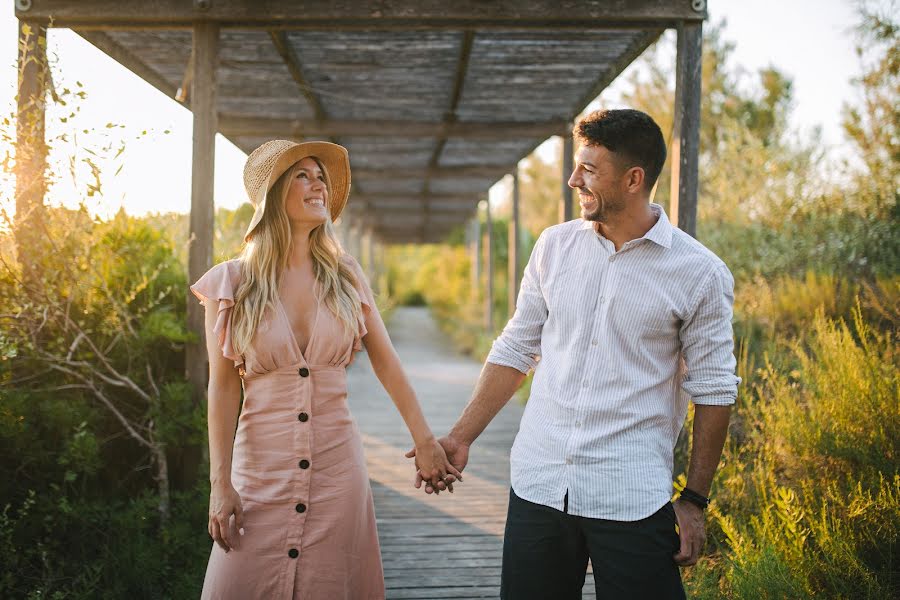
634, 180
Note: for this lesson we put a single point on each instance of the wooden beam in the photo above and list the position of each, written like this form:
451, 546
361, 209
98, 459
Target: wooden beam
686, 128
514, 248
462, 66
641, 42
386, 14
262, 127
130, 61
400, 172
565, 208
292, 61
200, 252
29, 227
419, 199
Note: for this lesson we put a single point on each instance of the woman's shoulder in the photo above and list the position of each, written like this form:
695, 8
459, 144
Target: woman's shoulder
221, 281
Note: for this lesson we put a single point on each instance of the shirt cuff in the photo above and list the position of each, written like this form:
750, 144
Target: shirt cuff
715, 400
506, 358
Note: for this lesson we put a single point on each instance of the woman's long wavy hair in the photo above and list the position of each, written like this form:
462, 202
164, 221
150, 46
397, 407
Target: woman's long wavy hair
264, 258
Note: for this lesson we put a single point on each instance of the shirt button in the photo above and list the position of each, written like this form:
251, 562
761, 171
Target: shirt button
304, 372
304, 464
303, 417
585, 383
593, 342
293, 553
577, 423
602, 299
301, 508
569, 460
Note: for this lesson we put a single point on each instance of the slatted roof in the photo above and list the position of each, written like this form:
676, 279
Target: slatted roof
435, 100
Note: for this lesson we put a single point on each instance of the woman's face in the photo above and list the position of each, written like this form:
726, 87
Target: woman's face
307, 197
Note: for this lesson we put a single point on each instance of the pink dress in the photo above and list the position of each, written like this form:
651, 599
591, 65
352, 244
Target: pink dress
298, 463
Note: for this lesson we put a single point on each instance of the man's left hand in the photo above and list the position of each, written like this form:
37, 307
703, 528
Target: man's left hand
692, 531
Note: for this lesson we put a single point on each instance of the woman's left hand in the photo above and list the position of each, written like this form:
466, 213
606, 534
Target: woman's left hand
433, 466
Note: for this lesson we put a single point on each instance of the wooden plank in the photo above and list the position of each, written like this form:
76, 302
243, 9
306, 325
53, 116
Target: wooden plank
263, 126
200, 252
385, 14
686, 128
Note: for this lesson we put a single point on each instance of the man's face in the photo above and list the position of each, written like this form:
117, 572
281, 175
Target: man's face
599, 180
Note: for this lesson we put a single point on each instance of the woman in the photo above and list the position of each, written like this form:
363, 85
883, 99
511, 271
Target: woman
291, 509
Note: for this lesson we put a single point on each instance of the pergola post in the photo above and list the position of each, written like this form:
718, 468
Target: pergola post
370, 252
31, 147
203, 106
489, 270
514, 278
686, 127
565, 212
476, 254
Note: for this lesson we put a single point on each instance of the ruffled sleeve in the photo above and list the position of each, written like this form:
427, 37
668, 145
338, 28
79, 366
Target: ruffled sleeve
366, 298
219, 285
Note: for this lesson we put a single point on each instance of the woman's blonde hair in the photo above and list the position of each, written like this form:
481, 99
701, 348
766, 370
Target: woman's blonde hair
265, 256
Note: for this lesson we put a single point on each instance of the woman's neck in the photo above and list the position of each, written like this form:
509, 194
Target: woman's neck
300, 253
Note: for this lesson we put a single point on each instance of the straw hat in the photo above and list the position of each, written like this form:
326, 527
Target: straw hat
270, 161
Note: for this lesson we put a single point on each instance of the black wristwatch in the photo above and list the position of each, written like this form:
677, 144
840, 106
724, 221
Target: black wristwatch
694, 498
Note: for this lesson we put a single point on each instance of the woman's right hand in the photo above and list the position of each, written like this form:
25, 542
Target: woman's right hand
223, 502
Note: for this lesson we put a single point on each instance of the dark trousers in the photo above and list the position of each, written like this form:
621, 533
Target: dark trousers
545, 555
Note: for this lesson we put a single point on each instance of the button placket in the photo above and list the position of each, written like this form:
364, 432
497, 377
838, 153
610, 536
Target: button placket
302, 448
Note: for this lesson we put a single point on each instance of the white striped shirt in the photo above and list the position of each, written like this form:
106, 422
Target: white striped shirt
605, 332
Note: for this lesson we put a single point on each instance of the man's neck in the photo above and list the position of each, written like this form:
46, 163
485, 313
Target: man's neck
630, 224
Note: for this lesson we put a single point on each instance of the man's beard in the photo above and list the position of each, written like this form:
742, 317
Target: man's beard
606, 207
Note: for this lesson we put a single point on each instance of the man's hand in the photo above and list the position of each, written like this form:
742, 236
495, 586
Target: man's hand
457, 454
691, 530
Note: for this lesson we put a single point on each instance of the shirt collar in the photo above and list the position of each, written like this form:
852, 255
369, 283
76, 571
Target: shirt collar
660, 233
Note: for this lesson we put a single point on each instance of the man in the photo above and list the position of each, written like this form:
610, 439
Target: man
609, 306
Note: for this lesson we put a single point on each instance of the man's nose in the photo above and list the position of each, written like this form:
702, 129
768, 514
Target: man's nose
574, 181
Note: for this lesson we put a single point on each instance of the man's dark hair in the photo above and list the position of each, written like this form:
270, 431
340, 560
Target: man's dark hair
631, 134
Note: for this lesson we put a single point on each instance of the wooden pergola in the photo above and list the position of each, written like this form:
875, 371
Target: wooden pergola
435, 100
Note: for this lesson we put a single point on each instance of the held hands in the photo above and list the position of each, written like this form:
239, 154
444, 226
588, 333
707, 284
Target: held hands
223, 502
453, 454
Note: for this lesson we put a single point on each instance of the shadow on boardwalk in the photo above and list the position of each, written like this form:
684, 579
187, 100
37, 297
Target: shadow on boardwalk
449, 546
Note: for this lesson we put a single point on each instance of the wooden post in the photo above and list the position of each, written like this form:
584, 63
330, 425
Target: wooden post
476, 255
31, 149
200, 253
686, 127
489, 270
565, 213
514, 278
370, 252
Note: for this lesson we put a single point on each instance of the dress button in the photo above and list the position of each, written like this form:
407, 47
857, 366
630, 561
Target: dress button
304, 372
293, 553
301, 508
303, 417
304, 464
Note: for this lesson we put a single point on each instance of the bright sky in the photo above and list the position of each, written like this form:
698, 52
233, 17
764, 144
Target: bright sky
809, 40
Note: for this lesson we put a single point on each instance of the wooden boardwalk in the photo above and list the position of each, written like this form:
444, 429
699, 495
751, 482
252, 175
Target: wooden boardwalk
447, 546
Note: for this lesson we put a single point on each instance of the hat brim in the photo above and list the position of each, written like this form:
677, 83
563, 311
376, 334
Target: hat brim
336, 163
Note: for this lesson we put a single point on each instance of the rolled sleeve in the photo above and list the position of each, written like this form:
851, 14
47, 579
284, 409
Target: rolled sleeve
707, 342
519, 344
